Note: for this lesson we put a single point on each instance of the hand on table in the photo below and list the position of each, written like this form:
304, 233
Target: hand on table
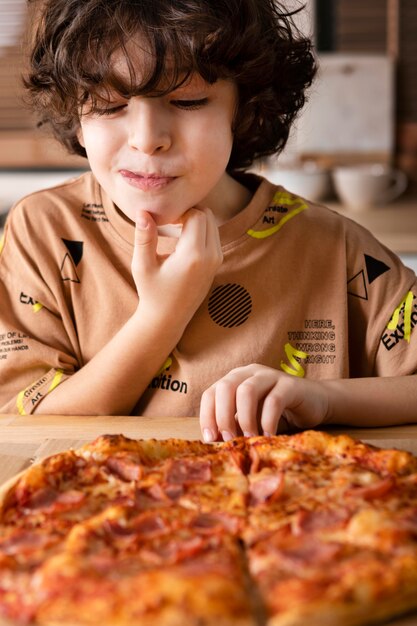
256, 399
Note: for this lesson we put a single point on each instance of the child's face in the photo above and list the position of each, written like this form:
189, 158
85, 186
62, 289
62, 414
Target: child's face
163, 154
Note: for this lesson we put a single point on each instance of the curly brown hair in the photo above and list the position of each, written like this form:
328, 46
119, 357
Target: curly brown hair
252, 42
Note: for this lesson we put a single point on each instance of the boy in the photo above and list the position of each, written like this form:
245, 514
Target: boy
257, 309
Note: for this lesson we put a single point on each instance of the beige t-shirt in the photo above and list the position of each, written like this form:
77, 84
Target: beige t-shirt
301, 289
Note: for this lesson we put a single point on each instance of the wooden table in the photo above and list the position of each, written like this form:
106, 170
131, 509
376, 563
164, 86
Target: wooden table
25, 440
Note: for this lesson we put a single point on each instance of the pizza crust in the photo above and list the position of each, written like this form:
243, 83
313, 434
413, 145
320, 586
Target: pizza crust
8, 485
289, 500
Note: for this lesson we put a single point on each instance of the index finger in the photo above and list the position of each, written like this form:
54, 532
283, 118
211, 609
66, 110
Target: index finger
145, 240
208, 424
193, 230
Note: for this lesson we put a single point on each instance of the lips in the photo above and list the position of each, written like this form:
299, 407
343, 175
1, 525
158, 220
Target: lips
145, 181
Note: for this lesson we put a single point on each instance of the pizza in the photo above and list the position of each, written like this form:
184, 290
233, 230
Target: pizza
307, 528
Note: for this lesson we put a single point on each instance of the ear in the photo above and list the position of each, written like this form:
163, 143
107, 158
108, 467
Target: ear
80, 136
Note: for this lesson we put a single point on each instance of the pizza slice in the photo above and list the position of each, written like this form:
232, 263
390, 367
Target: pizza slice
71, 486
331, 530
129, 567
303, 579
212, 482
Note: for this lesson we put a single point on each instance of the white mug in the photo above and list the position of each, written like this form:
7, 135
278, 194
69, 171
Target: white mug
307, 180
364, 186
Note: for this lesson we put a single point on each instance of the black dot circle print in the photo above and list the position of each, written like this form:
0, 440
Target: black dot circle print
230, 305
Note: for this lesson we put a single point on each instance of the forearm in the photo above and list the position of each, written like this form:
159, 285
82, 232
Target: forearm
372, 401
115, 378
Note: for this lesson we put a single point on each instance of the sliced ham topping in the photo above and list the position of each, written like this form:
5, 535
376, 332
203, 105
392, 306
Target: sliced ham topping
71, 497
43, 498
311, 553
293, 552
165, 492
150, 526
174, 551
147, 525
151, 498
117, 529
188, 471
370, 492
174, 492
157, 494
267, 488
310, 521
24, 541
50, 500
124, 467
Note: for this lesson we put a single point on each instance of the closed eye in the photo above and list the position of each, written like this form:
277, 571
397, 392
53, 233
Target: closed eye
190, 104
109, 110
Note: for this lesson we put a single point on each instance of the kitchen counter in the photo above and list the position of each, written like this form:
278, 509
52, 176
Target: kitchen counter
394, 224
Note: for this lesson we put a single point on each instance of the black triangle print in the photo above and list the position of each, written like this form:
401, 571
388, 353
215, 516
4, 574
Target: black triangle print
357, 286
68, 270
374, 268
75, 248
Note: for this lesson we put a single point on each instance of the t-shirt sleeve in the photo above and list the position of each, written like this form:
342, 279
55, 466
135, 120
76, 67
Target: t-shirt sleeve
396, 353
38, 342
382, 301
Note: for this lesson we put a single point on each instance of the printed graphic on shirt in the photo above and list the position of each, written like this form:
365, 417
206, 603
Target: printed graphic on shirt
280, 203
28, 300
93, 212
71, 260
163, 380
12, 341
358, 284
294, 356
29, 397
402, 322
230, 305
165, 366
316, 341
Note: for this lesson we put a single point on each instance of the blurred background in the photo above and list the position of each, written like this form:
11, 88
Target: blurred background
361, 109
364, 104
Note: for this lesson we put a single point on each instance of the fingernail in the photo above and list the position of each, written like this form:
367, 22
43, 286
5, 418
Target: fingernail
266, 434
141, 222
208, 435
247, 434
226, 435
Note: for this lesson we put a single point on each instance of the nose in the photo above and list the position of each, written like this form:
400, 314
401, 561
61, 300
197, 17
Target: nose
149, 129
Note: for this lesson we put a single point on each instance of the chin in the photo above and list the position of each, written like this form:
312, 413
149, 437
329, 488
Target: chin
165, 220
161, 218
165, 215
